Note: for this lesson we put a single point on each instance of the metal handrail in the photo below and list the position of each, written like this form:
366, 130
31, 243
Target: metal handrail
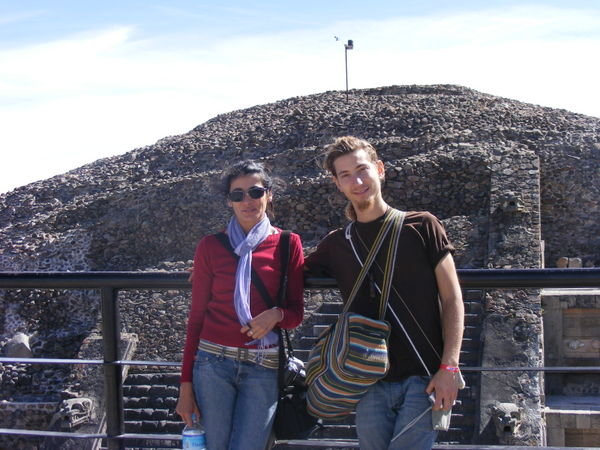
469, 279
109, 283
129, 362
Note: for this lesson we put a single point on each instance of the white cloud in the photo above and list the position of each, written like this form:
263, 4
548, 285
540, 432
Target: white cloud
542, 56
71, 101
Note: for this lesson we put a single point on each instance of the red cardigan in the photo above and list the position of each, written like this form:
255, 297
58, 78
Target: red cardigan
212, 313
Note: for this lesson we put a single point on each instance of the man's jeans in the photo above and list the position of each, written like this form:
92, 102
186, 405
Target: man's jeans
237, 401
387, 408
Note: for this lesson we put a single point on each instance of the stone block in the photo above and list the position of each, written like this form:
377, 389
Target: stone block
575, 263
583, 420
562, 263
555, 435
18, 347
567, 420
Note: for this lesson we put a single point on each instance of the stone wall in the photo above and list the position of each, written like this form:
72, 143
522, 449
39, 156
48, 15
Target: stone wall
574, 340
120, 202
24, 415
512, 324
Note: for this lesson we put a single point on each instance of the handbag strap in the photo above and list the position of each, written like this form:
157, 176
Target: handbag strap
285, 348
284, 243
392, 221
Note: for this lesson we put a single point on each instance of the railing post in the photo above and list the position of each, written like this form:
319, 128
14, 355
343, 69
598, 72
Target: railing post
113, 383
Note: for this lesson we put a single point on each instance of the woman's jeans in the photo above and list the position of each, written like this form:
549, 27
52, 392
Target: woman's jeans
237, 401
387, 408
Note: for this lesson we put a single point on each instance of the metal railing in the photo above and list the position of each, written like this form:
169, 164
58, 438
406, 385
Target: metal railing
109, 284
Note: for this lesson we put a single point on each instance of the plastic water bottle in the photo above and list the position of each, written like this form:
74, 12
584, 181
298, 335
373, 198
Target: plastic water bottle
193, 437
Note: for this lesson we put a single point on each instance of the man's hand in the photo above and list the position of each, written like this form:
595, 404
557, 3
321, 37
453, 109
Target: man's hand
445, 386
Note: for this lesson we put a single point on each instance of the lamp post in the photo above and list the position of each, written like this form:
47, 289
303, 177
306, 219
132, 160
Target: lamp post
348, 46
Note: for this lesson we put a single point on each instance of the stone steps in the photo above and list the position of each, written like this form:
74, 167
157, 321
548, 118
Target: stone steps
465, 412
149, 401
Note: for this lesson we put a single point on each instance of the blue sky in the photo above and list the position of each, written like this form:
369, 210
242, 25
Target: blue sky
82, 80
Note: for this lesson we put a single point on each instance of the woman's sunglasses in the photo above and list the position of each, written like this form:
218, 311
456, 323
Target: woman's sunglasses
254, 192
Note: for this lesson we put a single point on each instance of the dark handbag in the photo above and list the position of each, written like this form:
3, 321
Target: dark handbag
292, 420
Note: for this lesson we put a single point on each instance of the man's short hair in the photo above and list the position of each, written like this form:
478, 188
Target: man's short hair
343, 146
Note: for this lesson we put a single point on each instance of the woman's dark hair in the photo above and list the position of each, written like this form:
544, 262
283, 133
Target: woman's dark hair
248, 167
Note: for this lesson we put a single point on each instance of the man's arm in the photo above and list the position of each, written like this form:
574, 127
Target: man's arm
444, 382
316, 264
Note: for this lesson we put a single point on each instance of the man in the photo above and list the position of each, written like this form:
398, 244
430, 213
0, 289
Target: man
425, 298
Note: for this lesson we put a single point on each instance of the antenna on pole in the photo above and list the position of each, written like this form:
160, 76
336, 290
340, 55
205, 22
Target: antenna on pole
348, 46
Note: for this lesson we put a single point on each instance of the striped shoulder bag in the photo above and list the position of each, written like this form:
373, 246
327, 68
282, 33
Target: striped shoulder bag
351, 355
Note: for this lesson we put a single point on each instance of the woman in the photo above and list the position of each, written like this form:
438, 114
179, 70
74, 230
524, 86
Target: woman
232, 383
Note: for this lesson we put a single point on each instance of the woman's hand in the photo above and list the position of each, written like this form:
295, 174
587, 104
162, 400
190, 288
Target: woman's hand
260, 325
186, 404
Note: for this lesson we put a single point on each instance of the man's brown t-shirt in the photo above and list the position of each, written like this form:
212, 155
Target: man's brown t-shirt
422, 244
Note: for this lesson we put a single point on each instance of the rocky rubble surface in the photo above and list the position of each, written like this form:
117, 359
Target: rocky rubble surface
151, 204
147, 208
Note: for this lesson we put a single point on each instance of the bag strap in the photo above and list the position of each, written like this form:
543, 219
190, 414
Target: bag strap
284, 243
349, 237
392, 221
284, 350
